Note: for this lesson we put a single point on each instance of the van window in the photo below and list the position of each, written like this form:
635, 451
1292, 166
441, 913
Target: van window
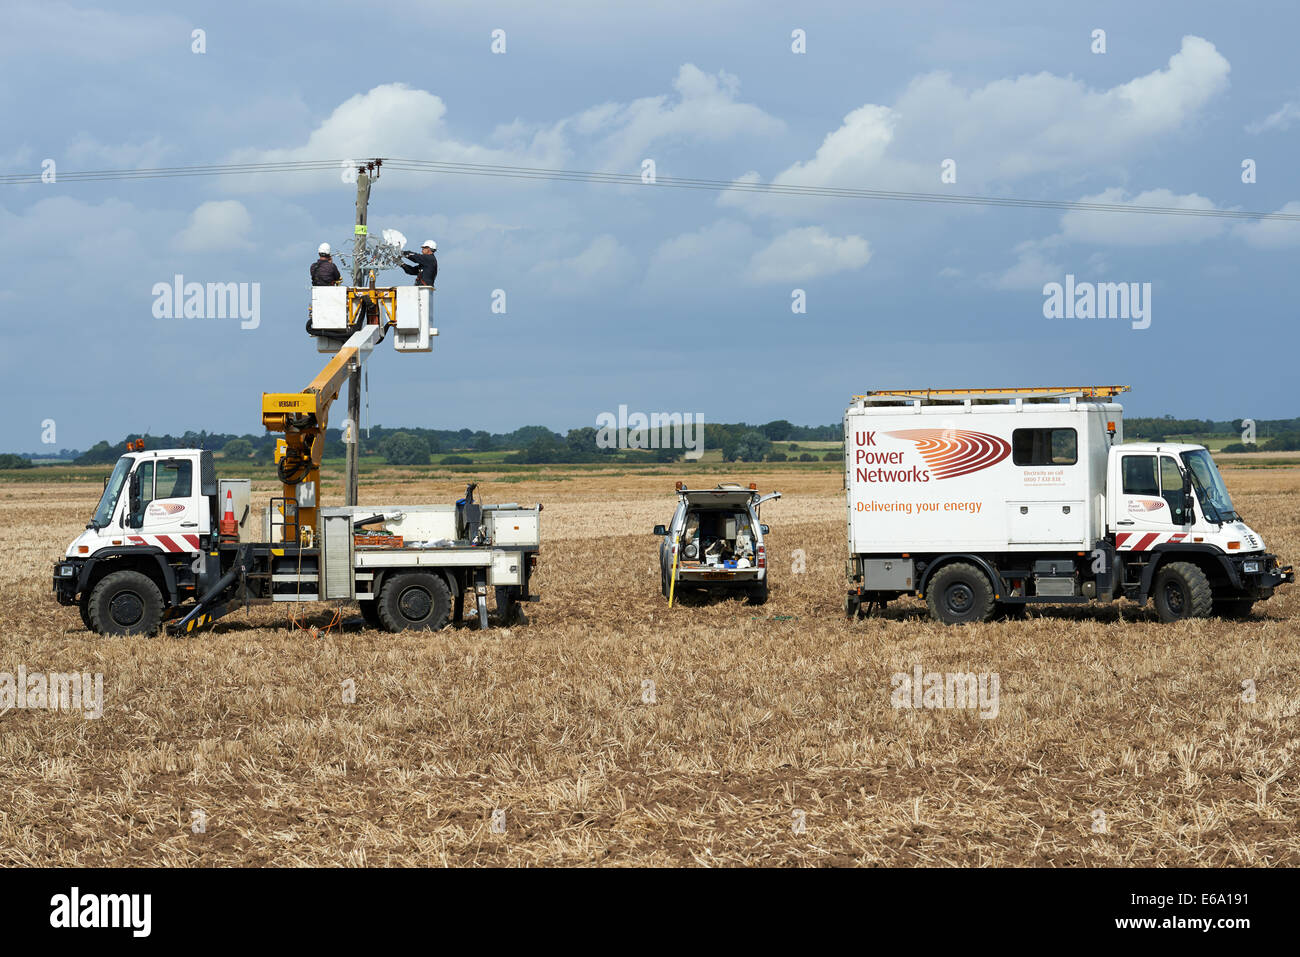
175, 479
1140, 475
1044, 446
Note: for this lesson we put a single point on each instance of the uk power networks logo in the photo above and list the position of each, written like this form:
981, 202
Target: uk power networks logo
953, 452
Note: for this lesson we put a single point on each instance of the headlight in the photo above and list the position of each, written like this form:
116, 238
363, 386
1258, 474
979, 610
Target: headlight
1250, 568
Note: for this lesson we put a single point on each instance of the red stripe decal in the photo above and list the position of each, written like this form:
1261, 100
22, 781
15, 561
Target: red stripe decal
1121, 538
193, 540
135, 539
1147, 541
167, 543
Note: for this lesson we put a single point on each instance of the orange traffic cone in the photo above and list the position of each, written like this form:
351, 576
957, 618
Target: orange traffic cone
229, 526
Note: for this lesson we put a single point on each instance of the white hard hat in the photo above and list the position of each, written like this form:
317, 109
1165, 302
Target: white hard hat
431, 244
324, 249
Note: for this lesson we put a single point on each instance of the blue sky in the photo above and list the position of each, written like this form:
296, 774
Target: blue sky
658, 299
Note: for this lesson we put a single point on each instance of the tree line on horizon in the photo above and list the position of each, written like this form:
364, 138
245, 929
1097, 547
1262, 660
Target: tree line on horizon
537, 444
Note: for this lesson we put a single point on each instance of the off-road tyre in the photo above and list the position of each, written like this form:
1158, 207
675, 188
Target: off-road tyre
414, 601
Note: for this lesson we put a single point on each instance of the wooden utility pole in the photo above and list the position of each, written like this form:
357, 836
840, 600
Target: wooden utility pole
354, 378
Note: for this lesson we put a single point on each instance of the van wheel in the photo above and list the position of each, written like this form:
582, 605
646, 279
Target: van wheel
415, 601
959, 594
1182, 591
126, 603
1235, 608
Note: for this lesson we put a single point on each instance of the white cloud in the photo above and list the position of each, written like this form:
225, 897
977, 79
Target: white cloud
1141, 229
1280, 119
1007, 130
807, 253
603, 262
705, 108
1032, 268
394, 120
216, 225
1271, 233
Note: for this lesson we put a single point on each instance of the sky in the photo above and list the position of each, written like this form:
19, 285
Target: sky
657, 299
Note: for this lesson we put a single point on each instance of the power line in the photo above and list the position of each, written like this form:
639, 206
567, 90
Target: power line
634, 179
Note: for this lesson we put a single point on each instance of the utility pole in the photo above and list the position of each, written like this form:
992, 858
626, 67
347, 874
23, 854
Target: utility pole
354, 377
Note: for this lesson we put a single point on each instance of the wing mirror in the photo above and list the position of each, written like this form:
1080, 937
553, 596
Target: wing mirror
660, 530
764, 529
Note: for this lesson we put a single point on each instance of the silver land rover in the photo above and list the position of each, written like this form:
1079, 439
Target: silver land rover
714, 542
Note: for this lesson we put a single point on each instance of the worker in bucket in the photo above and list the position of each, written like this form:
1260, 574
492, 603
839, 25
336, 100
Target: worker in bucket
425, 269
323, 270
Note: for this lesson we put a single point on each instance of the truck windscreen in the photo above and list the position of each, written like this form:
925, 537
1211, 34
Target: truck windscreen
1209, 486
108, 501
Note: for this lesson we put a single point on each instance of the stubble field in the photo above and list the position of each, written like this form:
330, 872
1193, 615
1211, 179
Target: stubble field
770, 739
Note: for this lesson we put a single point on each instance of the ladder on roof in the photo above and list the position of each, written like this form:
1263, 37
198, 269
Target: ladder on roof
957, 395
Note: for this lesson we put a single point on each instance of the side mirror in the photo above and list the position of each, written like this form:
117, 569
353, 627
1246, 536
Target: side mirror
660, 530
764, 529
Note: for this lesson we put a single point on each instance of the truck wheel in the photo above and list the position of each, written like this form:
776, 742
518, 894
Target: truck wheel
758, 594
126, 603
959, 594
370, 613
83, 606
1182, 591
1235, 608
415, 601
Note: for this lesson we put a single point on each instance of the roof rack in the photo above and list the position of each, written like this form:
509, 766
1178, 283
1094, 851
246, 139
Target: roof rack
958, 395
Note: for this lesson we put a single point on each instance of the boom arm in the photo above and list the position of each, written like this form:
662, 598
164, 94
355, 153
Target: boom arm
303, 417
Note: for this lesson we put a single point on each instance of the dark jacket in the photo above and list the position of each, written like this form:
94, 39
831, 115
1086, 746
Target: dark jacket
324, 273
428, 263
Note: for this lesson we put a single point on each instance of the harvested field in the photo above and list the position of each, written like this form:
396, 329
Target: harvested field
770, 740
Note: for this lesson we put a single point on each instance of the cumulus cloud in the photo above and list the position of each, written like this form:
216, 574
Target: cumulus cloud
1004, 131
600, 264
1031, 270
807, 253
705, 107
217, 225
1271, 233
395, 120
1279, 120
1141, 229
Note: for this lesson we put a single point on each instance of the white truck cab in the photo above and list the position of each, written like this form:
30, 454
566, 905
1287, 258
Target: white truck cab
985, 501
151, 500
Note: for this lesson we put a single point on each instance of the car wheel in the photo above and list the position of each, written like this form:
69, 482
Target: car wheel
1182, 591
126, 603
959, 594
415, 601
